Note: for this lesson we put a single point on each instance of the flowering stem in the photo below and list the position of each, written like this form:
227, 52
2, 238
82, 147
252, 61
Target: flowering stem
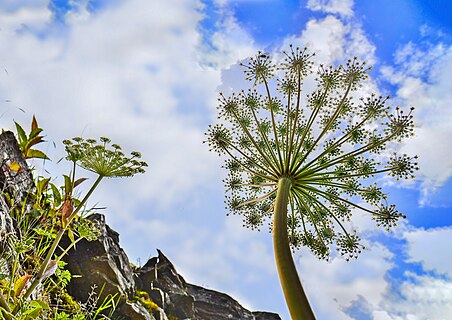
294, 294
38, 278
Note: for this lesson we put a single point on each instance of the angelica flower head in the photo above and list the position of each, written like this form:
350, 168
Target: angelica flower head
324, 144
102, 158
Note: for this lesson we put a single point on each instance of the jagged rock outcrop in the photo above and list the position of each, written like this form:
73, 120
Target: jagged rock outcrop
153, 292
104, 262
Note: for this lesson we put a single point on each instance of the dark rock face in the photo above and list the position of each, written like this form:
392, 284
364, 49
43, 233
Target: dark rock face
103, 262
261, 315
215, 305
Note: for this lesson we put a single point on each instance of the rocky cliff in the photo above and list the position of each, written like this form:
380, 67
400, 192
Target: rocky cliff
153, 291
103, 263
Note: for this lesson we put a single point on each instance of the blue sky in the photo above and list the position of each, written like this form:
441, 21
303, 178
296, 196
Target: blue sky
147, 73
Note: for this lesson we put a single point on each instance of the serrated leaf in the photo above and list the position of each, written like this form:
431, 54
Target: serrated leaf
33, 153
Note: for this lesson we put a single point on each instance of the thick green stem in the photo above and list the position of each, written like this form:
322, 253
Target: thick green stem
296, 299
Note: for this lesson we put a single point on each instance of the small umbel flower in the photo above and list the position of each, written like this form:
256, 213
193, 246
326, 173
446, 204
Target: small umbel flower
305, 163
102, 158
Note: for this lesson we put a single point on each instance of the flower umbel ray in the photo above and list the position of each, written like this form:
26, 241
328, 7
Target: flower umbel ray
319, 152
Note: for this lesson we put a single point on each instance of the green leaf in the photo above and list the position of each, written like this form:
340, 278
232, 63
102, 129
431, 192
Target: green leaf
42, 185
70, 234
36, 307
76, 202
33, 153
21, 133
41, 304
56, 194
67, 185
34, 124
20, 284
33, 141
34, 133
79, 181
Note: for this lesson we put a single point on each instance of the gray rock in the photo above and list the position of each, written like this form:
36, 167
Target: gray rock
210, 304
132, 311
166, 287
104, 264
260, 315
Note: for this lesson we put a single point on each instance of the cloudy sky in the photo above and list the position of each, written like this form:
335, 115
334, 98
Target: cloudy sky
147, 73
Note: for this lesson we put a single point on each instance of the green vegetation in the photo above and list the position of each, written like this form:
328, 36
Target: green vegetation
305, 163
32, 276
143, 298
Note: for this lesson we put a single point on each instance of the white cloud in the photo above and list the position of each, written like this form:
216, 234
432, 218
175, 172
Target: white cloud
334, 41
139, 81
325, 37
141, 74
423, 298
79, 12
423, 81
334, 285
341, 7
431, 248
231, 43
23, 18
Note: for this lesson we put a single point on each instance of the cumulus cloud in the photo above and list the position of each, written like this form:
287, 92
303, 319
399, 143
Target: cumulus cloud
422, 297
334, 40
31, 16
139, 81
149, 83
341, 7
336, 285
430, 248
422, 77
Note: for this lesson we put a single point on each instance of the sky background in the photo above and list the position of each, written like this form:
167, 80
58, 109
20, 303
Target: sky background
147, 73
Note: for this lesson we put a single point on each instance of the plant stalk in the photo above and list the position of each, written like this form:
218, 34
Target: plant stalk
296, 299
4, 306
38, 278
